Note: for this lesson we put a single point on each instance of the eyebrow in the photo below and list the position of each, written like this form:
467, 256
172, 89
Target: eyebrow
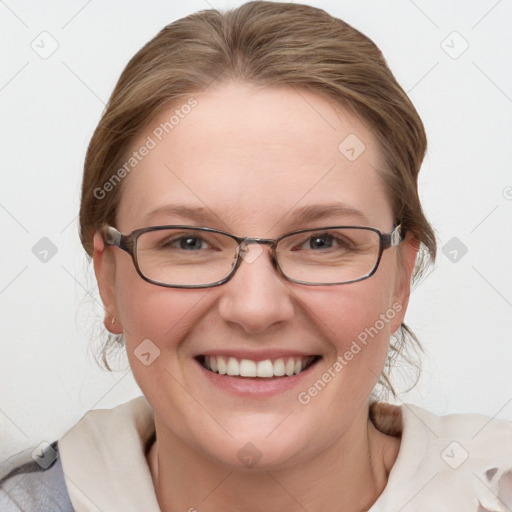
312, 213
195, 213
301, 215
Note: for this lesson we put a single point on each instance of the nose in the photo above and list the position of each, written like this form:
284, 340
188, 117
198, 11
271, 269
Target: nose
256, 298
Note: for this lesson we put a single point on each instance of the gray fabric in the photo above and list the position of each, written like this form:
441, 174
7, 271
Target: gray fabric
28, 486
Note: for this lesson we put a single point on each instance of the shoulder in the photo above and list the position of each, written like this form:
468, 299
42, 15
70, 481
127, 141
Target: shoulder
478, 432
474, 437
104, 458
472, 454
33, 480
449, 462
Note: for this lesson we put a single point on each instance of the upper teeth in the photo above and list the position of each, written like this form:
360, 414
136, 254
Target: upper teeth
247, 368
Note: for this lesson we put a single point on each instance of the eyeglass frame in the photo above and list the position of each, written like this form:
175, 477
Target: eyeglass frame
128, 243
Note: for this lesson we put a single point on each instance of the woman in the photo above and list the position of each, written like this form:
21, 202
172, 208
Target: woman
250, 204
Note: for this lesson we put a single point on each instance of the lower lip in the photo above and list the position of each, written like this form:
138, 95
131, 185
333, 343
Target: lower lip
255, 387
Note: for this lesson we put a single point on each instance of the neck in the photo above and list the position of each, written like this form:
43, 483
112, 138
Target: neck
348, 476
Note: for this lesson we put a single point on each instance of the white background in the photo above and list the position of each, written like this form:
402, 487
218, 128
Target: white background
462, 312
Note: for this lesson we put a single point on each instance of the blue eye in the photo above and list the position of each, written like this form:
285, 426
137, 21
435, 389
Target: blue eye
189, 243
185, 243
321, 242
325, 241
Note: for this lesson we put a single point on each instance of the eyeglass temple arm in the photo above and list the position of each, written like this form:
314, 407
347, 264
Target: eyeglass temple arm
394, 238
112, 236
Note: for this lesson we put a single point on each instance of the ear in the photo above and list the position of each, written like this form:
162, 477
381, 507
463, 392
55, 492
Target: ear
406, 259
104, 268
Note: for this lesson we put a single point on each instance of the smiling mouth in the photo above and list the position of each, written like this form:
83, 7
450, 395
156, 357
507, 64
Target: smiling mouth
266, 369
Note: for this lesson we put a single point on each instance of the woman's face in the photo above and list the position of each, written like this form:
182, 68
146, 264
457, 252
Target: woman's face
249, 161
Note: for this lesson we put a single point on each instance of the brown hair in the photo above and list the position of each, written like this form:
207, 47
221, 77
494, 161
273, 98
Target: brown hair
268, 44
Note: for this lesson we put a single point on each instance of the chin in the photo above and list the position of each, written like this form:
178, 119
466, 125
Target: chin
248, 456
261, 444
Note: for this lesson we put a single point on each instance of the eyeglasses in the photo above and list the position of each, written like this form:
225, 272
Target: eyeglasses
200, 257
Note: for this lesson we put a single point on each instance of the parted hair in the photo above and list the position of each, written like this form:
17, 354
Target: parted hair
266, 44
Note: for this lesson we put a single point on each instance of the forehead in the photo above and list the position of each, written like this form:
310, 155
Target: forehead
253, 153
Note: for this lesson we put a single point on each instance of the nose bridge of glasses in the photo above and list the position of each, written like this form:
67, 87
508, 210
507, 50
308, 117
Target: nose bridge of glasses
260, 241
252, 256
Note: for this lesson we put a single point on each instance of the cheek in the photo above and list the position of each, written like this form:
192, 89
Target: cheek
159, 314
350, 310
357, 320
155, 321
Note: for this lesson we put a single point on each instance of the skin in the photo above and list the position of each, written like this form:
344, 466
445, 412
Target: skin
252, 156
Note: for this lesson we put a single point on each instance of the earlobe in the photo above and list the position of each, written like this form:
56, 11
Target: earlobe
406, 260
104, 269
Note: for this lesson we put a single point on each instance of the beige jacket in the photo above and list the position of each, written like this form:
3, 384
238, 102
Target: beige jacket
455, 463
